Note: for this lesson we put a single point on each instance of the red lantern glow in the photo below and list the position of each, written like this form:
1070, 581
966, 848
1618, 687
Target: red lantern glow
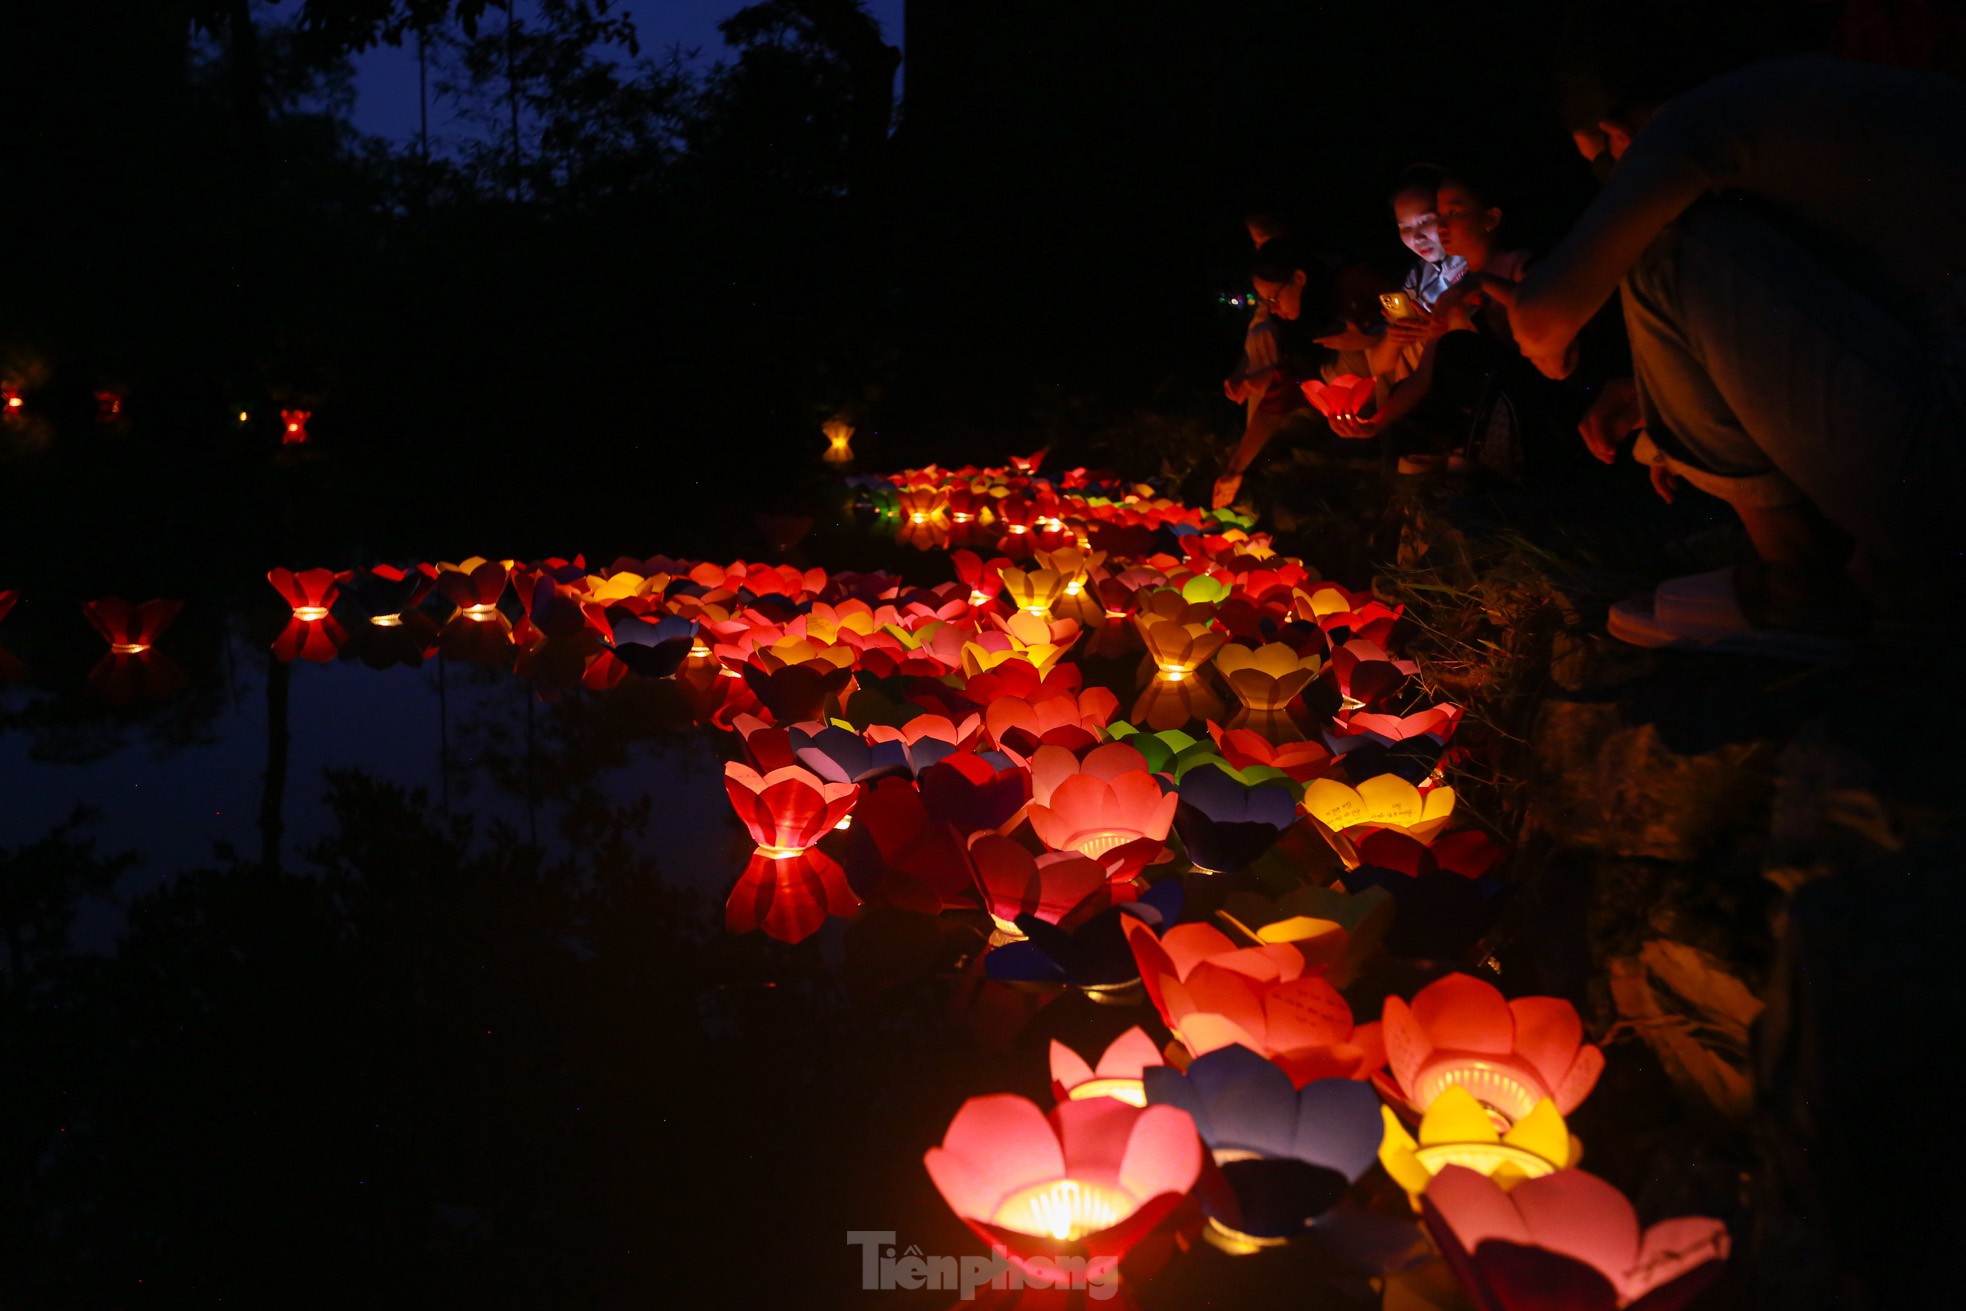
294, 426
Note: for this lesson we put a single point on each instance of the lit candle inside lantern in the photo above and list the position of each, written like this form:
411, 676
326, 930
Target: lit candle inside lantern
129, 648
310, 613
1066, 1210
387, 621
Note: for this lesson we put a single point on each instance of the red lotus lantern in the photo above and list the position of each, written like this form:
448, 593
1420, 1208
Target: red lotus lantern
1050, 887
130, 629
131, 670
474, 586
1344, 395
1508, 1054
1091, 1179
293, 424
789, 886
310, 593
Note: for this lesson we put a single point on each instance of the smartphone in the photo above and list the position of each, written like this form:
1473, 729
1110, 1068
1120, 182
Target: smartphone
1400, 308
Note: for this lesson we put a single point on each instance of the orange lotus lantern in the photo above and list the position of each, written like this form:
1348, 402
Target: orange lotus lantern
1091, 1179
1073, 565
1343, 396
293, 425
1567, 1239
1457, 1130
1214, 994
839, 438
1509, 1055
1117, 1074
1269, 677
1095, 807
1033, 591
919, 505
788, 886
1076, 721
1386, 801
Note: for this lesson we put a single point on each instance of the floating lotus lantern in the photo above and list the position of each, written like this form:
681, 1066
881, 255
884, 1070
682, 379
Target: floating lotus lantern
294, 426
789, 886
899, 856
474, 586
927, 738
793, 678
310, 593
109, 404
654, 648
1049, 887
1247, 750
1091, 955
1117, 1075
130, 629
1514, 1248
383, 593
1383, 802
1073, 565
1214, 994
1286, 1154
1100, 806
11, 402
840, 755
919, 505
1457, 1130
132, 670
975, 790
1075, 721
1268, 677
1092, 1179
1177, 634
839, 439
1317, 921
1509, 1055
1170, 701
1344, 396
1366, 675
1033, 591
1226, 825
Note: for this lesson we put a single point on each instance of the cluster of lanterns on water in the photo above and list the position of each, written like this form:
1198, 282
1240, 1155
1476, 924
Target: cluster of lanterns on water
931, 748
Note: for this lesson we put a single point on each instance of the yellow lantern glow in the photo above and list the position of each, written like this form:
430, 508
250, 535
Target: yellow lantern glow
1458, 1130
1268, 677
1066, 1209
839, 434
1034, 591
1386, 801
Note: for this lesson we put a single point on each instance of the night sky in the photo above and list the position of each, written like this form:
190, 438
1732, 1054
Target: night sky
385, 78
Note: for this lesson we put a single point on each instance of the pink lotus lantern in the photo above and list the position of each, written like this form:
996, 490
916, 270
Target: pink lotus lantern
1214, 994
294, 426
1509, 1055
1093, 1178
1365, 673
1269, 677
1102, 805
1344, 395
788, 886
1568, 1239
1117, 1075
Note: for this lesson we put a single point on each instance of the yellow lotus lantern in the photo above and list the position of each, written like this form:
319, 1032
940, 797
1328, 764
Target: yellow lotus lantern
1024, 636
1034, 591
1387, 801
1268, 677
1074, 565
1457, 1131
839, 436
1177, 648
621, 586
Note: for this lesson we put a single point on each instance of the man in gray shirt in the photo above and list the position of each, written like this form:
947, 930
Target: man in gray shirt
1790, 242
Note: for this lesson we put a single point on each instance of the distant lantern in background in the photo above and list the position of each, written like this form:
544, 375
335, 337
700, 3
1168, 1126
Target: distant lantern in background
109, 404
11, 403
294, 426
1117, 1075
839, 436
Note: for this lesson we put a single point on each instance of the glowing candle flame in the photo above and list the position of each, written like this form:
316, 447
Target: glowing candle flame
1066, 1210
310, 613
